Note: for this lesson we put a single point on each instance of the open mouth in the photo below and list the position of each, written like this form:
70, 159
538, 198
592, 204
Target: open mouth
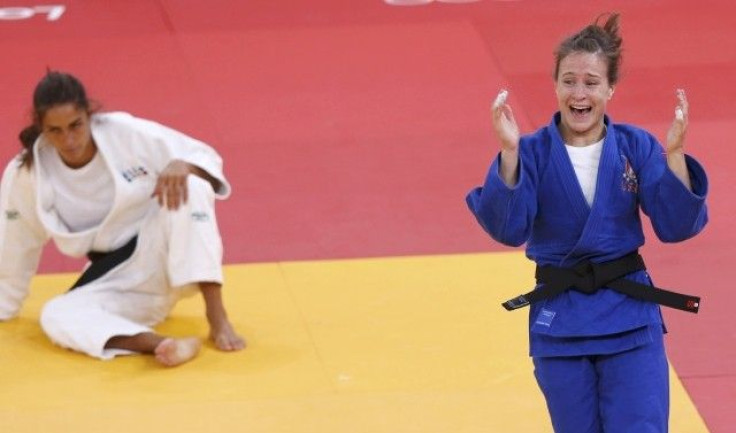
580, 111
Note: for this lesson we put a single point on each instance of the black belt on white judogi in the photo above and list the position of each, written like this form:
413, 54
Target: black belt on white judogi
102, 262
588, 277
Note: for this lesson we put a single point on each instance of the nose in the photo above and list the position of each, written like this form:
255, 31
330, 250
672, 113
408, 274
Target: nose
69, 137
578, 90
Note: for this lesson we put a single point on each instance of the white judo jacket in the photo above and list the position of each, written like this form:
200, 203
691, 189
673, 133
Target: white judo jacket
135, 151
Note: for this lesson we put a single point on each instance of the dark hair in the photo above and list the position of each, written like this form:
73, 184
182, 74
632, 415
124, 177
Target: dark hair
55, 88
603, 40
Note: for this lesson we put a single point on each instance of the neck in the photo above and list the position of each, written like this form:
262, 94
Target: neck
85, 159
582, 139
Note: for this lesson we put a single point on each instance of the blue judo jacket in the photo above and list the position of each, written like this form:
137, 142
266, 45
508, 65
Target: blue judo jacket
546, 210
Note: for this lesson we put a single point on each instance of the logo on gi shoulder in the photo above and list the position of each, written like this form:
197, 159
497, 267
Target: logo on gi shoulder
629, 183
12, 214
133, 172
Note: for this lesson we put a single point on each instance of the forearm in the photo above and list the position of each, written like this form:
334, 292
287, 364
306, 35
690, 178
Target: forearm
676, 162
505, 212
198, 171
509, 167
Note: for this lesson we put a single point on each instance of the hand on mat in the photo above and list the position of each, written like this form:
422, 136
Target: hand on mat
504, 123
676, 133
171, 186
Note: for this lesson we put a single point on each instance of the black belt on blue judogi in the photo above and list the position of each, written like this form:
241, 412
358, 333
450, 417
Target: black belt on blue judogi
588, 277
102, 262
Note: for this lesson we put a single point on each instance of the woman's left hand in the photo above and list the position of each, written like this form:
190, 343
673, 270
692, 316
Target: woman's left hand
676, 133
171, 185
675, 151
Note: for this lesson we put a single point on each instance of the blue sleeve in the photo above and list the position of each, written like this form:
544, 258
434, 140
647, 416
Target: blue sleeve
676, 212
507, 214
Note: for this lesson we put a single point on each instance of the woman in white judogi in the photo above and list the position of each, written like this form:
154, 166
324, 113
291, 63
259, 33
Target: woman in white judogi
134, 196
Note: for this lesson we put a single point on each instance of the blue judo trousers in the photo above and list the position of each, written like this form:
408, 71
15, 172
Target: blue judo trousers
599, 357
625, 392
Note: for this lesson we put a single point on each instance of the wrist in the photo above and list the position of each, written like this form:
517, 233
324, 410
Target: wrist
676, 153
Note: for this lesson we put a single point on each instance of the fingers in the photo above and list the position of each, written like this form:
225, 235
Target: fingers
171, 192
171, 186
681, 111
679, 114
678, 129
504, 123
175, 194
183, 192
500, 99
500, 108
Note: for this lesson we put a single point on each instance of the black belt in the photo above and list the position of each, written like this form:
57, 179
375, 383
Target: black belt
103, 262
587, 277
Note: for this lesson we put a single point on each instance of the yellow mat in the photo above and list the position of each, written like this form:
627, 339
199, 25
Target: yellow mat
398, 345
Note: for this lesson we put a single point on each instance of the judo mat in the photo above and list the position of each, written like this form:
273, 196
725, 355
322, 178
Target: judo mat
407, 344
351, 132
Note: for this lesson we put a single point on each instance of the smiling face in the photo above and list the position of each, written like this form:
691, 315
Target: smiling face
67, 128
583, 91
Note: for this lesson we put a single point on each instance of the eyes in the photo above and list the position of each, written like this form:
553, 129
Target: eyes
73, 127
591, 84
76, 125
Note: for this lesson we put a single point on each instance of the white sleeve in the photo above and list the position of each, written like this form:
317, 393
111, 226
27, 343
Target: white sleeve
177, 145
22, 238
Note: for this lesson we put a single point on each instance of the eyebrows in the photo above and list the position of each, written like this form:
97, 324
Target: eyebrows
73, 124
586, 74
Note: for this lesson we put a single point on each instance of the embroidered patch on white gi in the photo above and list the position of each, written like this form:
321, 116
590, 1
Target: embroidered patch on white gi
200, 216
12, 214
131, 173
545, 317
630, 183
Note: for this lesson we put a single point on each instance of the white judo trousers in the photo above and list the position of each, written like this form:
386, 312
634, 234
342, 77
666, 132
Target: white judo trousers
175, 250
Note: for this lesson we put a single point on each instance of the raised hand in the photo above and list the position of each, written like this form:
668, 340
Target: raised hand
676, 141
504, 123
676, 133
507, 132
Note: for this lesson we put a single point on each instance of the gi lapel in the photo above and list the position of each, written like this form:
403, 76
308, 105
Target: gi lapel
606, 179
569, 180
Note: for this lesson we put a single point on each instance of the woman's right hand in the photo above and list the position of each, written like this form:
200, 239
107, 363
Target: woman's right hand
504, 123
171, 185
507, 132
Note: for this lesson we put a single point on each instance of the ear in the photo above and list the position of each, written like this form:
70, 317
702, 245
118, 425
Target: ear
610, 92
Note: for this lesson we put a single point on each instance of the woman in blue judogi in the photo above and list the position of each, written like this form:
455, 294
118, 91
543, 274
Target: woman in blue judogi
572, 191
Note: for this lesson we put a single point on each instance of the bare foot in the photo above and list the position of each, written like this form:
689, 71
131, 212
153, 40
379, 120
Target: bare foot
174, 351
225, 338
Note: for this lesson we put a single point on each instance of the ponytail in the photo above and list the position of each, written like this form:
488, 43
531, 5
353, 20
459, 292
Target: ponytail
27, 137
